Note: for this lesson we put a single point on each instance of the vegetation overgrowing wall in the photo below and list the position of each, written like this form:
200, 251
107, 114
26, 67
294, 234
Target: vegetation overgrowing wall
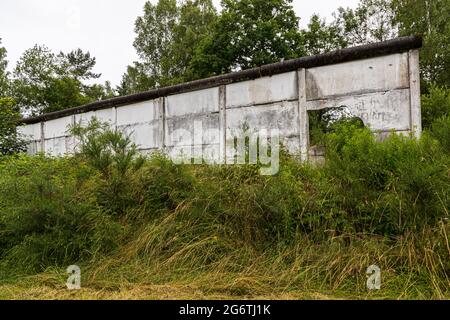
378, 83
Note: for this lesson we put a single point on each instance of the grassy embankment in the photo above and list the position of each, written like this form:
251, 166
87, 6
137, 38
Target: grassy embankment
150, 229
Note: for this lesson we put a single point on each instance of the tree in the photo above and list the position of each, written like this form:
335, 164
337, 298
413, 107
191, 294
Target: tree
44, 82
34, 71
11, 141
135, 80
78, 64
320, 37
249, 33
371, 21
429, 18
154, 38
100, 92
63, 93
167, 36
196, 19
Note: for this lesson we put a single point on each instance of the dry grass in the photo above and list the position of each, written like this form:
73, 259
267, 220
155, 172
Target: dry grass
332, 270
142, 292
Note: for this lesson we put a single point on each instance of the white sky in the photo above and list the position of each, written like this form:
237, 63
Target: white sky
105, 28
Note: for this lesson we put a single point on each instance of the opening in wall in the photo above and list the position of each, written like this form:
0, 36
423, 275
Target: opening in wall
321, 123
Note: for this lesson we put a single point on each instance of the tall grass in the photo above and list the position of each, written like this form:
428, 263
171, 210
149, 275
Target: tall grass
227, 229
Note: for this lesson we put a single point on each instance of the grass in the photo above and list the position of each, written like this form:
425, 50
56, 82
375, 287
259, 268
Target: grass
150, 229
332, 270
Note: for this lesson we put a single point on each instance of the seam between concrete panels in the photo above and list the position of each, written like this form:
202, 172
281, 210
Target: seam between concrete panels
414, 89
303, 115
222, 123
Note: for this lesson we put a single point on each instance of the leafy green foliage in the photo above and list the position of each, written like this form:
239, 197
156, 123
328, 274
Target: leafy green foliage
435, 104
105, 149
370, 21
429, 18
11, 141
391, 186
167, 35
78, 64
383, 202
135, 80
114, 155
44, 82
48, 216
319, 37
247, 34
440, 130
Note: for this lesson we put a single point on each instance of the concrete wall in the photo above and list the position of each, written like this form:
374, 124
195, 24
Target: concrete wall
383, 91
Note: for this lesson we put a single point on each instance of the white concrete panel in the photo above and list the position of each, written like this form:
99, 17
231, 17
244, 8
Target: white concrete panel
144, 135
31, 131
33, 147
380, 111
138, 113
291, 144
84, 118
264, 90
282, 116
103, 115
414, 84
56, 146
57, 127
106, 115
201, 101
375, 74
192, 130
72, 145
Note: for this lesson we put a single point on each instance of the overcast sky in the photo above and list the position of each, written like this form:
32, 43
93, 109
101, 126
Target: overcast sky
103, 27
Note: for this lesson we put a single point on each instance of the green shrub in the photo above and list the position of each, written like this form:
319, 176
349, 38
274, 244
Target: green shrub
115, 157
62, 211
435, 105
48, 215
11, 141
440, 130
391, 186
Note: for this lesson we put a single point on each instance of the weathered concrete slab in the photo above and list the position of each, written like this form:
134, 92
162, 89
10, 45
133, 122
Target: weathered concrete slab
380, 111
356, 77
414, 90
145, 136
264, 90
57, 146
104, 115
282, 116
144, 112
142, 121
192, 130
204, 101
31, 131
58, 127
